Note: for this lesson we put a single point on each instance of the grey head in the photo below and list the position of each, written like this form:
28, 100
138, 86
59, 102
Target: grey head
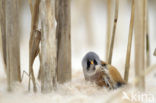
89, 61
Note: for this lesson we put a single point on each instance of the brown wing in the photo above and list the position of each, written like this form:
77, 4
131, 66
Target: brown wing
115, 74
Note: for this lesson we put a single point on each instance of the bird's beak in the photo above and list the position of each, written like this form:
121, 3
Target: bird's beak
91, 62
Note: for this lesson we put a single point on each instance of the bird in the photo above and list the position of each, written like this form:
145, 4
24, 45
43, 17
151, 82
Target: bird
100, 72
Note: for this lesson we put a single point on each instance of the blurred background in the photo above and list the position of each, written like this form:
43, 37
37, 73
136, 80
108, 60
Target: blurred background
88, 32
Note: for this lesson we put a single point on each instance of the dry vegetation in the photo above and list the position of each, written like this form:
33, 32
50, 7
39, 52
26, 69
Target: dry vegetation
114, 31
128, 55
12, 43
55, 50
50, 39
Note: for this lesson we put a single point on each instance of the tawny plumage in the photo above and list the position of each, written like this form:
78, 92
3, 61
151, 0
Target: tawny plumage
113, 72
100, 72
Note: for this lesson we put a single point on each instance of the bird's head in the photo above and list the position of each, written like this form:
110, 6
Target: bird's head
90, 60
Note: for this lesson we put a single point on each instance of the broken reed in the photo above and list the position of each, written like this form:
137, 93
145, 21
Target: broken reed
34, 41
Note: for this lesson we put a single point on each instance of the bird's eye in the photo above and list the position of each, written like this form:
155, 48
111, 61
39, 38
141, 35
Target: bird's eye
88, 65
95, 62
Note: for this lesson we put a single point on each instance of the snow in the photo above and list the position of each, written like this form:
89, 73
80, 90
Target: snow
77, 91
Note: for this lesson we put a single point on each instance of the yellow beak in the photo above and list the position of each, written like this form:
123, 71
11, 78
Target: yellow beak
91, 62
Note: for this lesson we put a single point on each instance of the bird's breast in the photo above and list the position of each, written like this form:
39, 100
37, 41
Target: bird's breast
98, 78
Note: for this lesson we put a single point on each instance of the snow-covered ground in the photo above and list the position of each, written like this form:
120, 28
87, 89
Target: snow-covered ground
78, 90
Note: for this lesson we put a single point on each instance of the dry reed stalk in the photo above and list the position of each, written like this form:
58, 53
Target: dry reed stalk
154, 53
35, 41
30, 6
35, 37
109, 15
3, 30
64, 40
147, 49
128, 55
12, 42
147, 35
114, 32
40, 69
147, 71
140, 43
48, 46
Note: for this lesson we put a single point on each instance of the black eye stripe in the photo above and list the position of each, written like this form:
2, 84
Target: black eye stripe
95, 62
88, 64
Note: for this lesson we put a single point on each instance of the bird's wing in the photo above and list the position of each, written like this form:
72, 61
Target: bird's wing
115, 74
